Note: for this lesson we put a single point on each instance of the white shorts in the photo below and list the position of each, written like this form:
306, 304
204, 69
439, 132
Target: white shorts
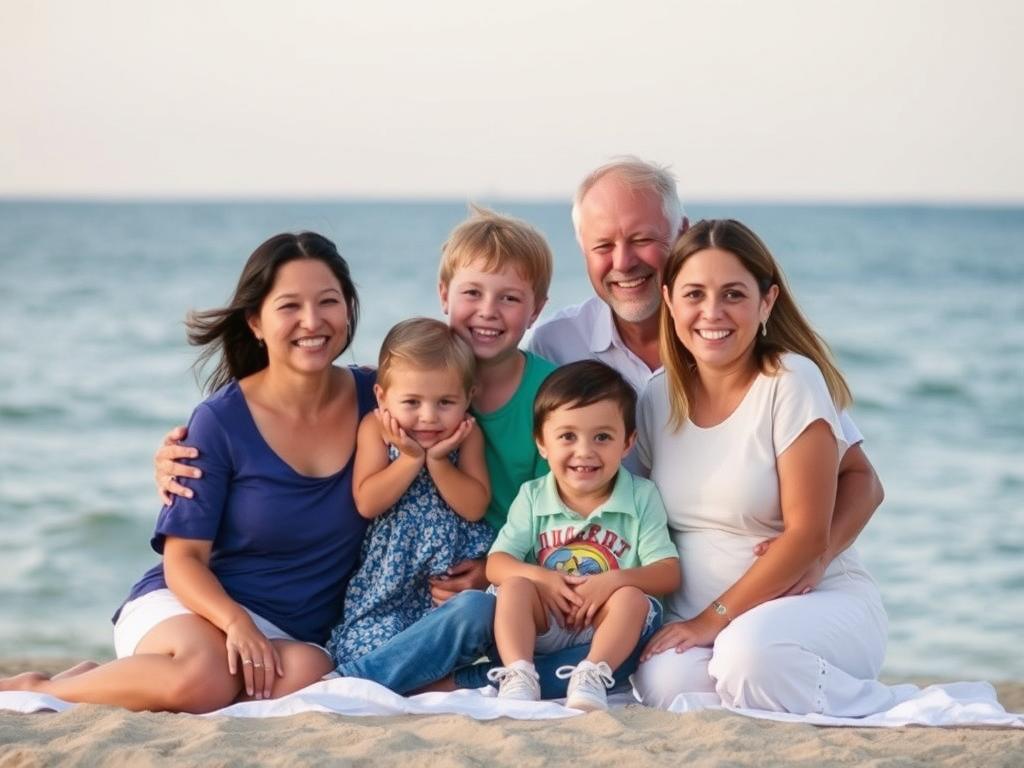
143, 613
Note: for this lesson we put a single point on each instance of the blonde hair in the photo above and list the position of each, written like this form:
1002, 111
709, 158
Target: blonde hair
425, 344
788, 330
639, 176
498, 241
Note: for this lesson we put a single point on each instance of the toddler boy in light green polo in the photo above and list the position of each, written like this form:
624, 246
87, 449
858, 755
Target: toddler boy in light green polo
628, 530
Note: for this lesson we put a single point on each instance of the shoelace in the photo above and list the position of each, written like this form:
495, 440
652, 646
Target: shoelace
594, 674
499, 674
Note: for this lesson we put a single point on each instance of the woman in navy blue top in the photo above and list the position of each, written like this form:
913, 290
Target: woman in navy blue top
256, 560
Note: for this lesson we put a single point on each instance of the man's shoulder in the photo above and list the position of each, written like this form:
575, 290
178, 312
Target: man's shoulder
565, 336
577, 316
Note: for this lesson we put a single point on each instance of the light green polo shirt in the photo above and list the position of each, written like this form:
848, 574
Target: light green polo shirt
629, 530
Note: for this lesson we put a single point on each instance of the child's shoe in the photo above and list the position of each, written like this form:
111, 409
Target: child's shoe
519, 682
587, 684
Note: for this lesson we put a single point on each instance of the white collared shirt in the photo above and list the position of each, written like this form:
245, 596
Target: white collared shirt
587, 332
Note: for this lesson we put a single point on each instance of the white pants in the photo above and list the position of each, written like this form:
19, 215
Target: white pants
820, 652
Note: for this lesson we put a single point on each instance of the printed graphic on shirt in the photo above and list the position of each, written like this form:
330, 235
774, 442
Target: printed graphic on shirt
581, 552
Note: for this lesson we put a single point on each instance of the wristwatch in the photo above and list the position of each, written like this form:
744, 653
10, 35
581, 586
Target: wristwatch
721, 610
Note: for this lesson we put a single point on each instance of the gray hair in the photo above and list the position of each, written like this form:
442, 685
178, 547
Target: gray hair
638, 175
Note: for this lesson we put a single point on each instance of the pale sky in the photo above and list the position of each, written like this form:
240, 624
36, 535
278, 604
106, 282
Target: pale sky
789, 99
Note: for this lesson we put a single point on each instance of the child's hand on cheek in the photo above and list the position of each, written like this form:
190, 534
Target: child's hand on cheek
442, 448
391, 431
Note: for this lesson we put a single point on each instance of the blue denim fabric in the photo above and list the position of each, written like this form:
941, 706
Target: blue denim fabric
551, 687
455, 635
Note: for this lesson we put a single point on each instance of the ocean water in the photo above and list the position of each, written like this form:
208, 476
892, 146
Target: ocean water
924, 308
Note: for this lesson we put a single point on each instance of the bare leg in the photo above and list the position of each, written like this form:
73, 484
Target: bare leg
27, 680
180, 666
618, 625
518, 617
303, 665
79, 668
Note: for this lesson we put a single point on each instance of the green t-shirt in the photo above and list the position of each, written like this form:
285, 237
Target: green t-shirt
629, 530
509, 449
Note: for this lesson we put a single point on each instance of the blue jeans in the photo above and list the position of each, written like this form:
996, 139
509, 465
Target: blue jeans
450, 638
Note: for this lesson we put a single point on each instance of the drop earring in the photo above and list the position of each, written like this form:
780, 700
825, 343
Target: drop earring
764, 327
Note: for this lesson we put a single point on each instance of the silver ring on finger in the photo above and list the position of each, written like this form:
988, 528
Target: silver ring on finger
247, 661
257, 665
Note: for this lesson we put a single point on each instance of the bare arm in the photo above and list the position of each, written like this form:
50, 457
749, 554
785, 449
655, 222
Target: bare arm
807, 488
377, 483
466, 487
186, 568
166, 466
858, 495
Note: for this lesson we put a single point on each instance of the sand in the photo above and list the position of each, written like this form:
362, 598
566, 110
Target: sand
627, 737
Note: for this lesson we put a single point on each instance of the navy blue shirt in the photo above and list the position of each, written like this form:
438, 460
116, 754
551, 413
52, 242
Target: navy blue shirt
284, 545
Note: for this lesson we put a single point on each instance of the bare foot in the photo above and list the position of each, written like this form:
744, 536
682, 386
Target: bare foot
82, 666
26, 681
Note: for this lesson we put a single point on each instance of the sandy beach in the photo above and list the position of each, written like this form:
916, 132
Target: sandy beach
91, 736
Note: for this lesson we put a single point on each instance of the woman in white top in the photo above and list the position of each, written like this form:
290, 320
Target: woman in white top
741, 434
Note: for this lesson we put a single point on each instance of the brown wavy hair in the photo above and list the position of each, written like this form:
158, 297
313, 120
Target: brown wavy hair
788, 329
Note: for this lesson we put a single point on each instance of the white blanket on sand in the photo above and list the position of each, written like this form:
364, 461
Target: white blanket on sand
951, 704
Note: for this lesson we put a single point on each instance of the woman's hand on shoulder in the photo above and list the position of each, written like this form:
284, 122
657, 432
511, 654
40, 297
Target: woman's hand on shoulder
167, 469
391, 432
683, 635
442, 448
249, 650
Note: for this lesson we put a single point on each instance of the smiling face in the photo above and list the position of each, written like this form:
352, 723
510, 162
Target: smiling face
490, 310
716, 309
428, 404
584, 448
304, 319
625, 237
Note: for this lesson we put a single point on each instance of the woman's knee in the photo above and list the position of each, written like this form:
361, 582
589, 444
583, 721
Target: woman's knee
660, 679
202, 683
751, 671
303, 664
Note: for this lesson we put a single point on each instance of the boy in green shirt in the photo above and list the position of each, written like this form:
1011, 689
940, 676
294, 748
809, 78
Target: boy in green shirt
493, 283
583, 545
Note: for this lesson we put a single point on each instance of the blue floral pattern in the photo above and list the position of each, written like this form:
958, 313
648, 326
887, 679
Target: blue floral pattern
421, 536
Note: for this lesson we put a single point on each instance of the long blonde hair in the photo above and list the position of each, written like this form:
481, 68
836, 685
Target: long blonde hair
788, 329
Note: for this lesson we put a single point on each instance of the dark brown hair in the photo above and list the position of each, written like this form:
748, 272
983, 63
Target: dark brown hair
224, 333
580, 384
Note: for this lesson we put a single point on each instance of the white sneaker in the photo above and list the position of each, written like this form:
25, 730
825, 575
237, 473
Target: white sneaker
587, 684
516, 683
